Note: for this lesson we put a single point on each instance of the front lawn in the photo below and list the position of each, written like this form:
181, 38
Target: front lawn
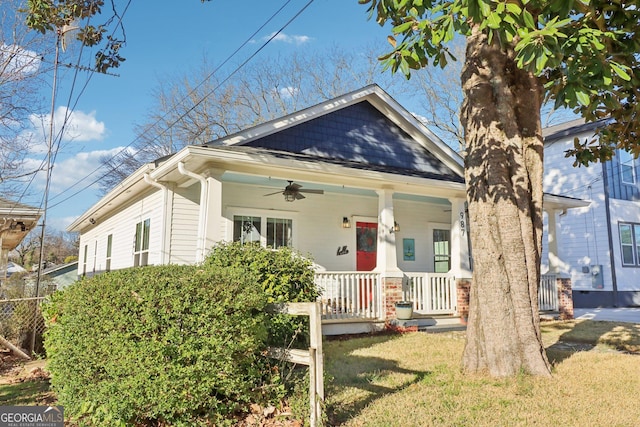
415, 380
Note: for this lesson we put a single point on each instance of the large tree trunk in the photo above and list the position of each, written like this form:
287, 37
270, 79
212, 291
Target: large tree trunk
503, 171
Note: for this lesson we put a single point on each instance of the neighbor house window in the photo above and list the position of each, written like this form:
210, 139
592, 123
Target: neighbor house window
627, 169
109, 245
630, 244
441, 251
141, 249
271, 232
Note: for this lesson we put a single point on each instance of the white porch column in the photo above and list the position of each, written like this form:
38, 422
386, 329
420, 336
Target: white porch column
386, 261
556, 265
214, 232
460, 266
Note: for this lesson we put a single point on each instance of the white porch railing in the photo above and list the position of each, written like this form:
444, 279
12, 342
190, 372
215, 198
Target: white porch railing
431, 293
548, 293
358, 295
350, 295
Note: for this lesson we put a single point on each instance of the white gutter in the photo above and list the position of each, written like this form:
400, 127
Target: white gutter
202, 226
164, 258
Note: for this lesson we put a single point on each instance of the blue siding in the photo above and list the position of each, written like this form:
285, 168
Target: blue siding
618, 189
358, 133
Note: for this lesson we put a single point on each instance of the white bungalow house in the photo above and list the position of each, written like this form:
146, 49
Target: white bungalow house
600, 242
356, 182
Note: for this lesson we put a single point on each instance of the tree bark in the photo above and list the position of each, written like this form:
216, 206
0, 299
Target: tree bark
503, 171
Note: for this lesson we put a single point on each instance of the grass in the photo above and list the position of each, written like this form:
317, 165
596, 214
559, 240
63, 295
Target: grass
415, 380
26, 393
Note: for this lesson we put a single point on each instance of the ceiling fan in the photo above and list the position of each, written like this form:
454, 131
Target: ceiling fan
292, 192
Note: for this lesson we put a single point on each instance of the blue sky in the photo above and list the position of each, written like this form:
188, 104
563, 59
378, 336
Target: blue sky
165, 40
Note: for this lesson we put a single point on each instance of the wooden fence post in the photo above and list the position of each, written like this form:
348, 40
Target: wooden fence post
313, 358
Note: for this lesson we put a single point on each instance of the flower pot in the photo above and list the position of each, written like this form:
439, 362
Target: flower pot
404, 310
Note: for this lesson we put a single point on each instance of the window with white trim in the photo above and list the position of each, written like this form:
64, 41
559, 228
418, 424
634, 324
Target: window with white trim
441, 251
84, 260
630, 244
627, 167
109, 245
141, 243
271, 232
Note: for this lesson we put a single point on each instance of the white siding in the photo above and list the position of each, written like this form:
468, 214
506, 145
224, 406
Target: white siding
583, 234
122, 226
184, 227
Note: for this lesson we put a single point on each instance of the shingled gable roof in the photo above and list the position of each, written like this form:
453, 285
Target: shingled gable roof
363, 129
571, 128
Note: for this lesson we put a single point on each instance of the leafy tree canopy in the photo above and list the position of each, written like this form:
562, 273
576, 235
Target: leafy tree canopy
585, 53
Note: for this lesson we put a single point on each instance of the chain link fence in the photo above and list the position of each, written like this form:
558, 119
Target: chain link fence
20, 318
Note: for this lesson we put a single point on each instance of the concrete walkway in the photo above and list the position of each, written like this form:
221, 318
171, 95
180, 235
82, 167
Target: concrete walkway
627, 314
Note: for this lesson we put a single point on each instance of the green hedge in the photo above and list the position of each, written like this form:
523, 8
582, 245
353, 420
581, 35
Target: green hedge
180, 345
285, 276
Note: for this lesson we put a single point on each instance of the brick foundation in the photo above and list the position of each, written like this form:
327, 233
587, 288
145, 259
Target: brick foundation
391, 294
565, 298
464, 293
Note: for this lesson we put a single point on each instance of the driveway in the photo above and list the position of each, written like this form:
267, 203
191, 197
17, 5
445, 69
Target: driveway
627, 314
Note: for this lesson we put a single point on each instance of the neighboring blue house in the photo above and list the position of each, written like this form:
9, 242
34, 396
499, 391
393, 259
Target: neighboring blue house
599, 245
59, 277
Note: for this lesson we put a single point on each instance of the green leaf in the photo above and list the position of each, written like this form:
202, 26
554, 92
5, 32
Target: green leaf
619, 70
514, 8
403, 27
528, 19
583, 98
494, 20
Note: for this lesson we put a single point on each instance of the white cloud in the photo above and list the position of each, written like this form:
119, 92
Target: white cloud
290, 39
18, 62
80, 127
73, 171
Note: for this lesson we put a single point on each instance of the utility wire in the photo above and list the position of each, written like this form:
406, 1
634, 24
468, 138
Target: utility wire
186, 97
274, 35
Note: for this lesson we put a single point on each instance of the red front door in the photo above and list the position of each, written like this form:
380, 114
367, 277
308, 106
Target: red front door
366, 244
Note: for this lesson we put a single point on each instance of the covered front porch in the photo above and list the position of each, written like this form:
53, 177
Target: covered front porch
360, 302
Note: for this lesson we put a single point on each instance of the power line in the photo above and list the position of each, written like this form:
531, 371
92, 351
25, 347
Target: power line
113, 168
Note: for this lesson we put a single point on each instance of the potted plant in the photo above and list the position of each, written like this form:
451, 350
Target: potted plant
404, 310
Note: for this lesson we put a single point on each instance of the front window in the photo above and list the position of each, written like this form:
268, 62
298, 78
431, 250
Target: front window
246, 229
141, 246
271, 232
278, 232
630, 244
627, 169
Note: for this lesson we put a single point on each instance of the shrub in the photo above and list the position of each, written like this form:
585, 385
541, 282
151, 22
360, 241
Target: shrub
166, 344
283, 274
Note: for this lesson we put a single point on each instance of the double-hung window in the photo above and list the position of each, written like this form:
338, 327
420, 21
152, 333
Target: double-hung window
630, 244
270, 232
627, 167
141, 244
